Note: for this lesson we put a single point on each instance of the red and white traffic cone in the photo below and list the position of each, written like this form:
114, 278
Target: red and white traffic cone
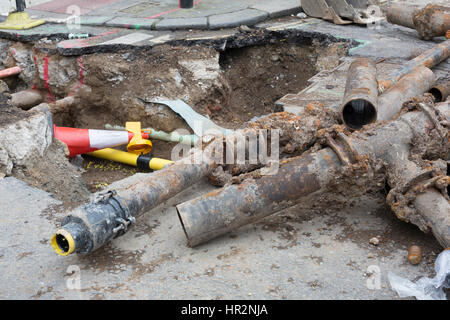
81, 141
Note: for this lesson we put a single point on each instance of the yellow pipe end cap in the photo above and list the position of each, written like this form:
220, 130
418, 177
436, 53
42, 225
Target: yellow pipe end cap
63, 236
137, 145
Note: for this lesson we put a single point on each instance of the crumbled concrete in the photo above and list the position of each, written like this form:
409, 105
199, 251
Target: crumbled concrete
23, 142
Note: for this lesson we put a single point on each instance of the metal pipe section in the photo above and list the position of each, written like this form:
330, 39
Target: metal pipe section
90, 226
429, 59
226, 209
419, 81
10, 72
432, 21
27, 99
360, 104
229, 208
186, 4
441, 91
402, 14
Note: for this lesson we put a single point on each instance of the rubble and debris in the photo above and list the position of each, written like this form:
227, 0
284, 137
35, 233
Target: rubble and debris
431, 21
425, 288
414, 255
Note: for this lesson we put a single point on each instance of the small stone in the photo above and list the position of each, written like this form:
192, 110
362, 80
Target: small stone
245, 29
302, 15
275, 58
375, 241
370, 256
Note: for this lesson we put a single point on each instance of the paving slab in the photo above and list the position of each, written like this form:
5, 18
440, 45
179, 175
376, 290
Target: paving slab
128, 13
234, 19
182, 23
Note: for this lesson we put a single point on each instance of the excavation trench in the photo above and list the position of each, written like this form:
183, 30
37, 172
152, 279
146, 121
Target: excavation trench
230, 87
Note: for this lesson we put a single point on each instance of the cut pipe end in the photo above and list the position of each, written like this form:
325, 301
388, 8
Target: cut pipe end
437, 94
358, 112
63, 243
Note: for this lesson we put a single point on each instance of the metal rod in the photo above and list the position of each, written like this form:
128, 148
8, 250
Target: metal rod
229, 208
429, 59
419, 81
360, 104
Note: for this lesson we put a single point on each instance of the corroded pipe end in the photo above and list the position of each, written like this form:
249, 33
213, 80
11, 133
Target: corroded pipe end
360, 105
441, 91
359, 112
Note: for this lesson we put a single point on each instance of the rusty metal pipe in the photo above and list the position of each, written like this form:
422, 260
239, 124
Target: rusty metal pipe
441, 91
360, 104
10, 72
26, 99
402, 14
431, 21
412, 85
429, 59
89, 227
229, 208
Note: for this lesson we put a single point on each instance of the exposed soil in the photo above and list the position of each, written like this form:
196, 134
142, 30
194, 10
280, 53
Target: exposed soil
230, 87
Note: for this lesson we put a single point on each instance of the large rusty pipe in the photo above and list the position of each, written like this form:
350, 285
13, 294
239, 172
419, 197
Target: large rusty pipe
10, 72
360, 104
402, 14
89, 227
431, 21
226, 209
429, 59
419, 81
26, 99
441, 91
